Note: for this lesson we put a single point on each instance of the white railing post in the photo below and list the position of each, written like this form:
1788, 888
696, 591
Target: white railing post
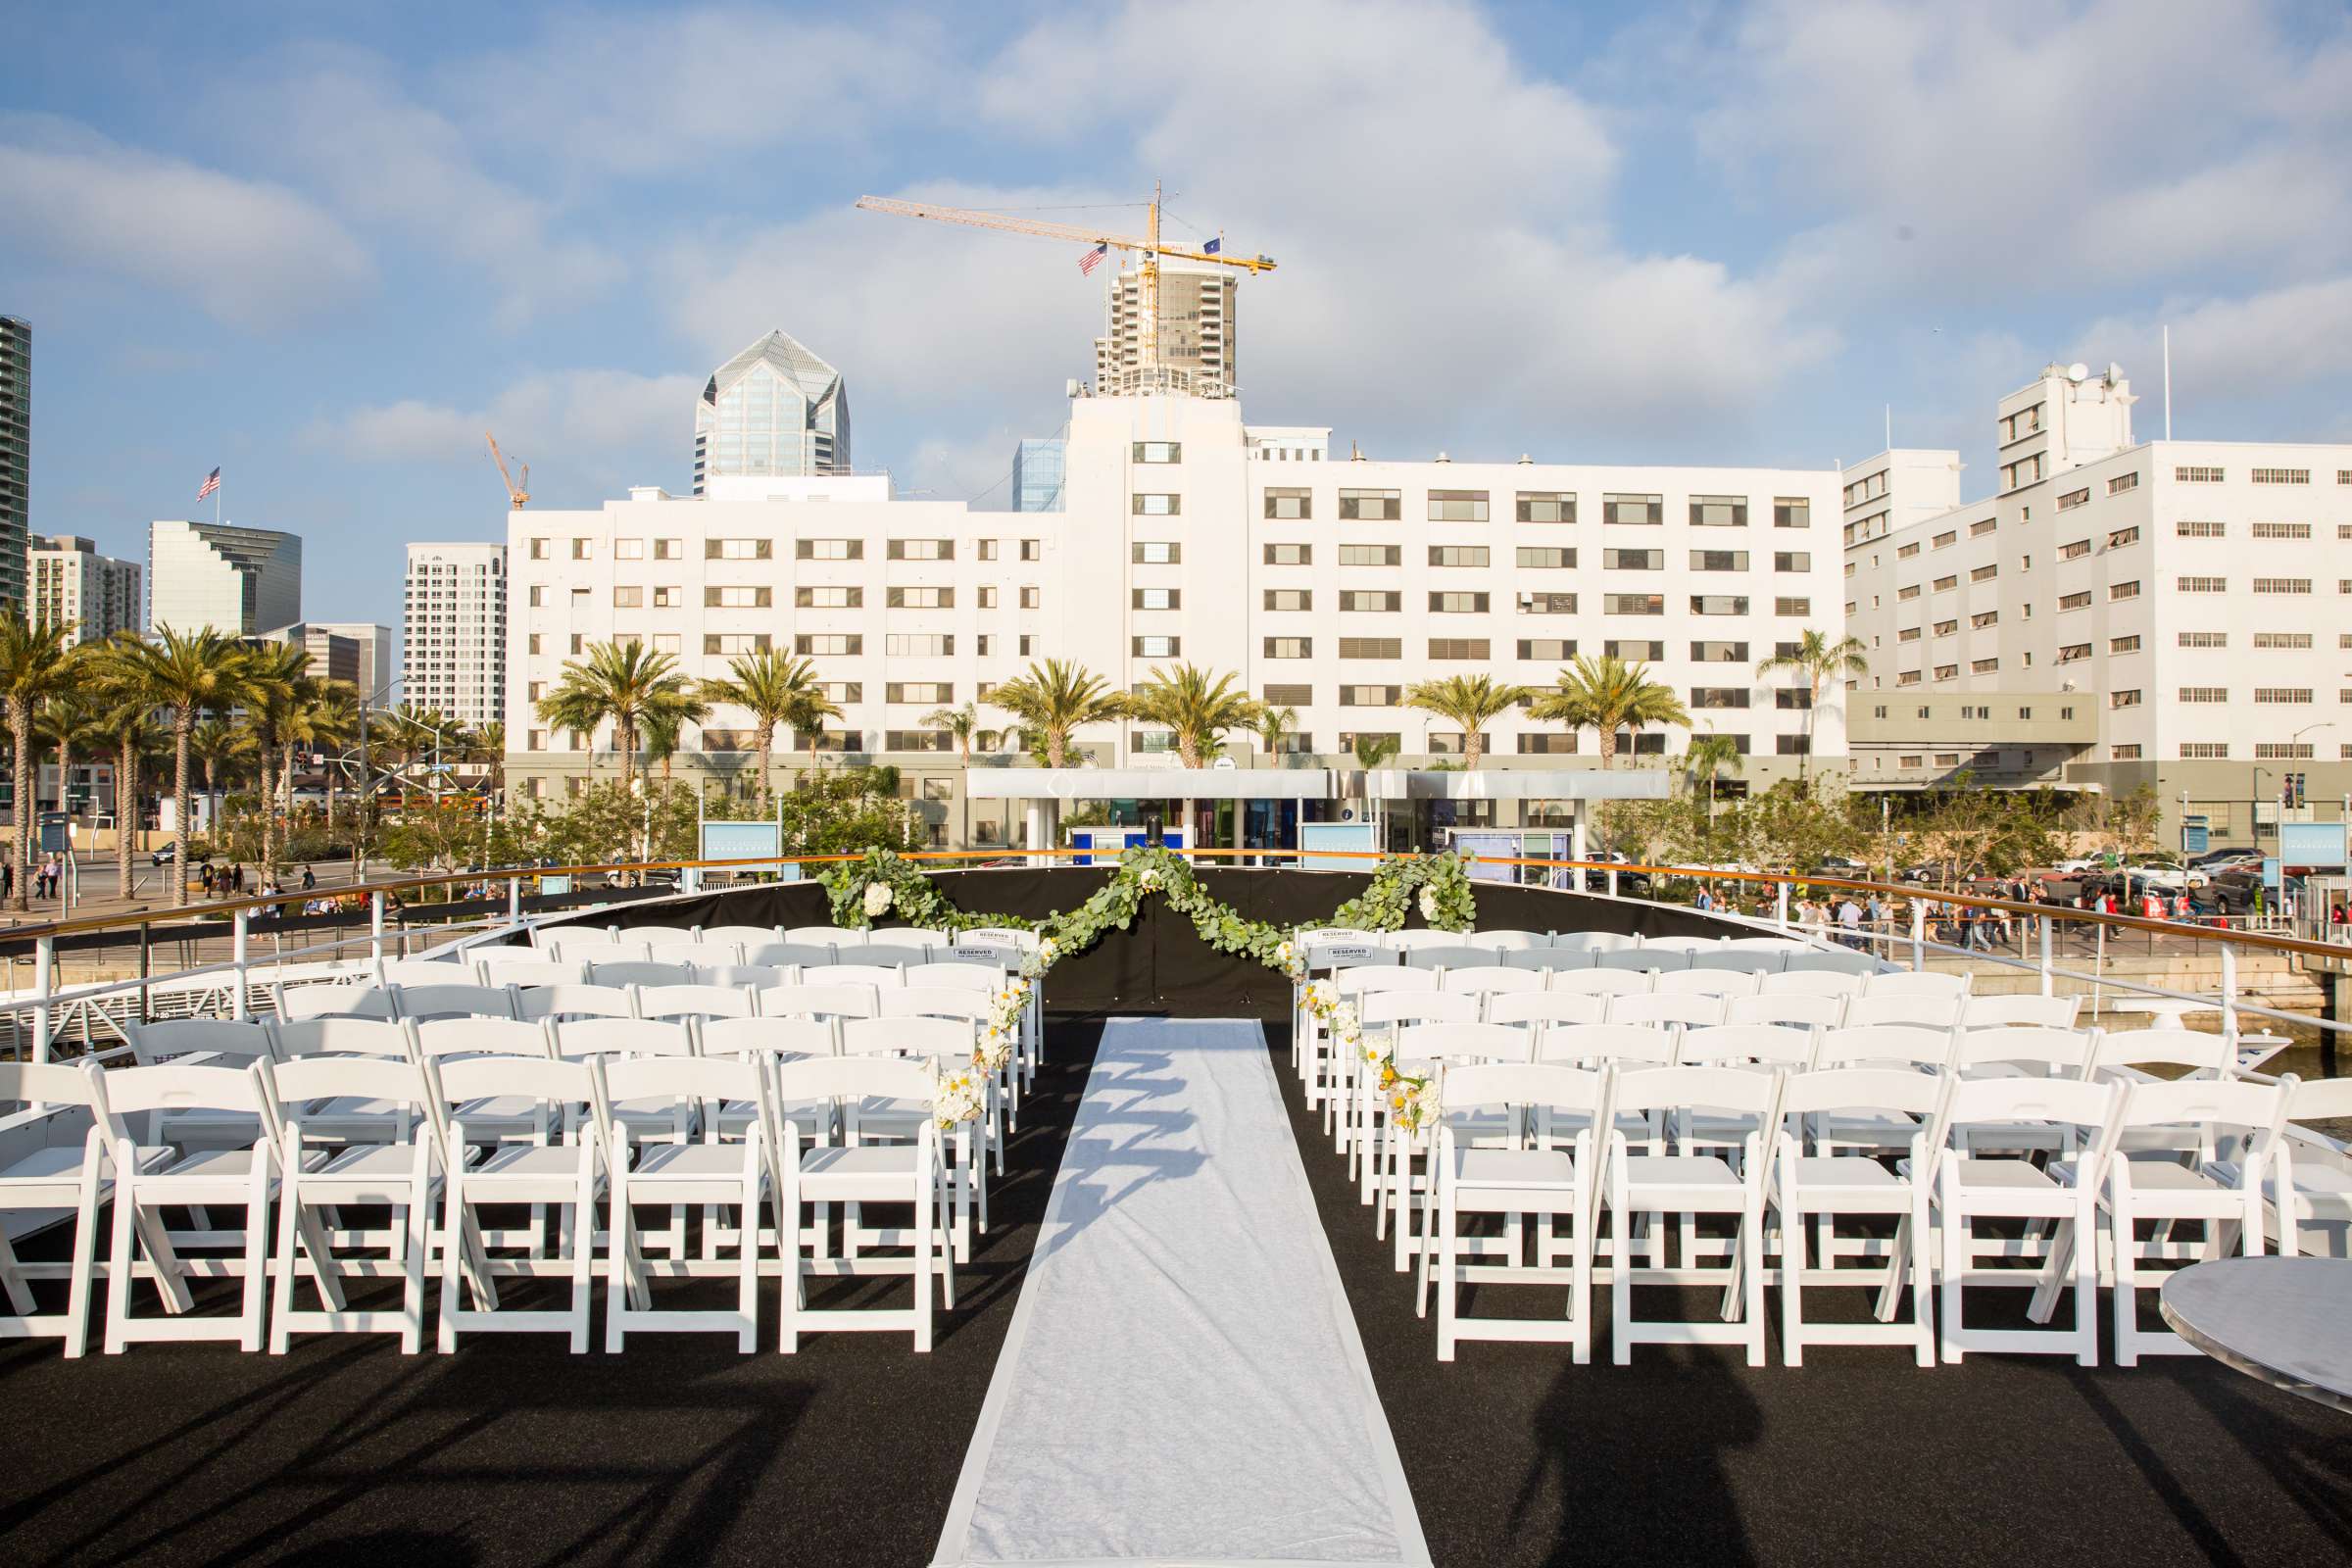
2228, 991
1780, 899
513, 900
240, 1008
2099, 970
1612, 881
1919, 934
45, 954
2048, 981
376, 927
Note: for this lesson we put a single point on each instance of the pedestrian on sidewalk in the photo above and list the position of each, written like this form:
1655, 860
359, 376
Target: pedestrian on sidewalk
310, 879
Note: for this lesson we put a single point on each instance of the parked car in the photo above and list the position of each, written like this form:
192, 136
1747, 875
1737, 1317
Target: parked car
1597, 881
164, 855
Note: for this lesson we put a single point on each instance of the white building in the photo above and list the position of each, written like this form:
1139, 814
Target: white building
73, 585
454, 631
220, 578
1187, 536
2186, 594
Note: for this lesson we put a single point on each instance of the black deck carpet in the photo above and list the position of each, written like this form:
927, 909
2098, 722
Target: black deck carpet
346, 1454
1515, 1455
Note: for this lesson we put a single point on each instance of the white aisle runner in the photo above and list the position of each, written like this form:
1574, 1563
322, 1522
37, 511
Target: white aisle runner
1181, 1381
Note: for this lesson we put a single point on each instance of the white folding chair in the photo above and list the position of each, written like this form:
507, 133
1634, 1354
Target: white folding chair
823, 935
67, 1149
455, 970
1707, 981
1917, 982
1734, 959
1452, 955
766, 1042
1727, 1045
911, 1171
1832, 960
1542, 961
322, 1171
1656, 1185
1910, 1009
1523, 1180
2226, 1201
331, 1002
568, 1178
563, 1003
676, 1001
758, 976
1787, 1010
1602, 982
1531, 1010
1504, 940
693, 956
595, 954
716, 1172
788, 955
853, 974
800, 1001
457, 1000
2027, 1050
1409, 940
214, 1179
1420, 1050
2023, 1009
740, 936
1599, 1045
649, 935
1492, 979
640, 972
2061, 1191
1665, 1008
2121, 1052
1381, 1016
2309, 1181
1795, 982
527, 974
946, 1043
1642, 957
898, 956
1824, 1188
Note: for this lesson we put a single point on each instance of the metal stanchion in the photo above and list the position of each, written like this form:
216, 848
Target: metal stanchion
45, 954
2048, 981
240, 1008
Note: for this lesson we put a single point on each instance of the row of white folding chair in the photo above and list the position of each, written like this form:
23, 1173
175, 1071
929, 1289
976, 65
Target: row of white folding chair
613, 992
1735, 959
1560, 941
1943, 1181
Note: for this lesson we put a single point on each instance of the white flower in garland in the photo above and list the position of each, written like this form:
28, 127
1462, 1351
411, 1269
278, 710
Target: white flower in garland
993, 1050
1149, 878
1321, 997
877, 900
1346, 1027
958, 1101
1412, 1104
1429, 905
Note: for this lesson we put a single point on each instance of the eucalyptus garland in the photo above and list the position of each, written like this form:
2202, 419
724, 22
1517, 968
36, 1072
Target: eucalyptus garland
1439, 885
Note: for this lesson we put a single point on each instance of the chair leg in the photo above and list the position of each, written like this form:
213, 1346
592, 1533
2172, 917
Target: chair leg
1579, 1299
453, 1244
922, 1267
1750, 1242
747, 1260
1442, 1214
419, 1223
620, 1242
1793, 1280
282, 1306
257, 1256
2086, 1280
583, 1255
1922, 1295
1955, 1267
85, 1265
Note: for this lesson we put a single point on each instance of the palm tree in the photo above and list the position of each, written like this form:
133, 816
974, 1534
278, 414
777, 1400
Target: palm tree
1820, 659
666, 726
1470, 700
1608, 695
277, 683
1273, 726
327, 724
218, 744
777, 689
126, 718
1709, 756
961, 722
1052, 699
1197, 707
185, 673
69, 722
627, 683
489, 749
36, 664
1373, 750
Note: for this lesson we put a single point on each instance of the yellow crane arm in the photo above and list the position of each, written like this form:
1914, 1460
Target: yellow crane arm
973, 219
516, 494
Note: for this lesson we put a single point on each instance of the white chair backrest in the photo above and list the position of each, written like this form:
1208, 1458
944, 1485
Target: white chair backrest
1734, 958
1591, 941
1681, 943
575, 1001
455, 969
583, 1038
1708, 982
55, 1083
2214, 1104
290, 1086
297, 1038
1848, 1089
1783, 1010
1383, 1009
758, 976
855, 1078
479, 1037
1467, 1086
1644, 956
940, 1038
1449, 956
1782, 945
852, 974
641, 972
964, 976
1001, 935
691, 955
1605, 1043
741, 936
695, 1002
1528, 1008
1489, 979
1363, 981
1733, 1043
1732, 1089
1504, 940
1883, 1045
647, 934
2005, 1102
768, 1037
1660, 1007
601, 953
169, 1039
823, 935
1308, 936
421, 1002
1917, 1009
2023, 1009
818, 1002
1795, 982
1536, 959
912, 936
2162, 1047
936, 1001
334, 1002
1602, 982
882, 955
1407, 941
1461, 1041
2062, 1050
550, 1081
183, 1086
526, 972
2320, 1100
713, 1079
1831, 961
788, 955
1916, 983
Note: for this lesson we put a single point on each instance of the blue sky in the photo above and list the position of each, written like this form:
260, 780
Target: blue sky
325, 247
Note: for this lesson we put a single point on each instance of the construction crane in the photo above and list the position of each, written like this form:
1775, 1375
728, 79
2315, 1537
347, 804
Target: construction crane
516, 494
1148, 248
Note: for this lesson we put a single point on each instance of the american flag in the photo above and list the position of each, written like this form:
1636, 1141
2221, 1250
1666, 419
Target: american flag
1092, 260
212, 482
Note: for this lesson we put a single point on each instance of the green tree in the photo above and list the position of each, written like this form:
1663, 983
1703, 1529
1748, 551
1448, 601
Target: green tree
1274, 725
1708, 759
1372, 751
962, 723
278, 682
127, 715
778, 691
1052, 699
1607, 694
489, 749
218, 746
1470, 700
1196, 705
624, 683
70, 723
1819, 660
185, 673
37, 665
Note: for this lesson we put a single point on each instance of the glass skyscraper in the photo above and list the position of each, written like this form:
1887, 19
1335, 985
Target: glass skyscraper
1038, 467
16, 456
774, 410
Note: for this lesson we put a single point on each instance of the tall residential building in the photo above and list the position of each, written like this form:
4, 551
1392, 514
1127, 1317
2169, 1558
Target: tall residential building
16, 456
1186, 535
2166, 613
1196, 347
241, 581
374, 669
454, 631
774, 410
73, 585
1037, 471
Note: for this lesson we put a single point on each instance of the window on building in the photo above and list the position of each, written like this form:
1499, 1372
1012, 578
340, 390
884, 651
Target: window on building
1033, 549
2197, 475
1150, 504
1548, 603
1158, 452
1632, 560
1718, 561
1156, 646
1545, 557
2200, 530
1290, 505
762, 597
2128, 698
1371, 555
1173, 598
1633, 603
1546, 743
802, 548
1633, 651
1791, 512
1371, 648
1793, 560
1451, 648
1719, 603
1547, 650
1290, 555
1370, 600
1786, 606
1458, 555
817, 597
1719, 697
1371, 506
628, 598
735, 642
1457, 505
1547, 506
1463, 604
2282, 531
2293, 696
1283, 599
2073, 499
1371, 695
1158, 552
930, 692
2282, 476
1630, 511
2283, 751
1719, 511
984, 550
2204, 751
2283, 639
2283, 585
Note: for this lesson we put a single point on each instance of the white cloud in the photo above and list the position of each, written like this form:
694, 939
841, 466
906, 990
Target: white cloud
2249, 347
587, 433
249, 253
